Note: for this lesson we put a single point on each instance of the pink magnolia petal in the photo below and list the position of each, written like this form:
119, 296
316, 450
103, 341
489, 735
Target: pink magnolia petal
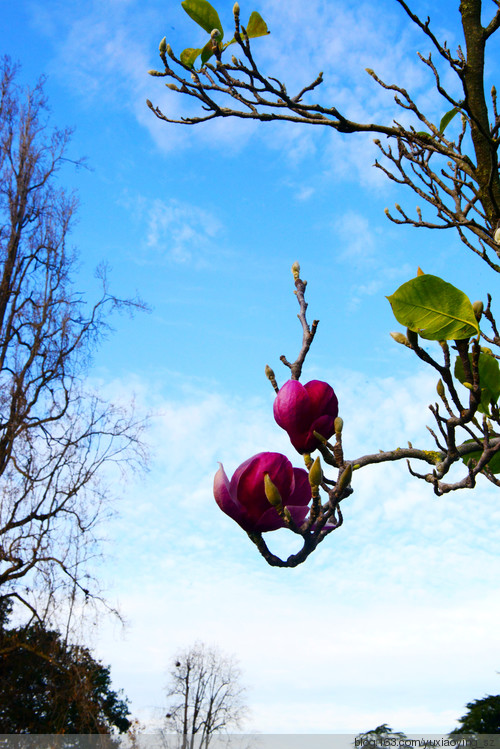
223, 496
292, 409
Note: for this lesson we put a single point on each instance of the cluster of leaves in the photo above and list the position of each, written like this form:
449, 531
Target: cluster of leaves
207, 17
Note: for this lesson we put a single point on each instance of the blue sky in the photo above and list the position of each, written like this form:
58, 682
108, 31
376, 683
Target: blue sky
394, 619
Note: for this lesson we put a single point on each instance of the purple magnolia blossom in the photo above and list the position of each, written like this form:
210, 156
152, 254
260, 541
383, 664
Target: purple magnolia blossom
244, 499
303, 409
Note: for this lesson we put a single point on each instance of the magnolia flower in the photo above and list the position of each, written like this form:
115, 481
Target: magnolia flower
303, 409
244, 497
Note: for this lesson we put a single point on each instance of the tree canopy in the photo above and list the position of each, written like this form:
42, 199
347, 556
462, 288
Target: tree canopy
50, 686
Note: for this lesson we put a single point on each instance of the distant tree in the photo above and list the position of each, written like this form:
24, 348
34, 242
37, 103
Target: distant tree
379, 737
56, 437
204, 696
482, 716
50, 686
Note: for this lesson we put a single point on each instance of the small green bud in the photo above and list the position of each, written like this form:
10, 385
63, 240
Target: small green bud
338, 425
234, 60
486, 350
155, 72
214, 34
398, 207
345, 478
236, 10
272, 493
440, 388
171, 86
169, 51
386, 211
478, 310
467, 385
316, 473
163, 46
400, 338
296, 270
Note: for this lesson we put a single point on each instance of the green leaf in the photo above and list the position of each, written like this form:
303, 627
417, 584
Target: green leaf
434, 309
189, 55
207, 52
489, 379
203, 14
447, 118
493, 464
256, 26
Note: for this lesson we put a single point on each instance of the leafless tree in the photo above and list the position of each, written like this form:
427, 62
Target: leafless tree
56, 438
204, 695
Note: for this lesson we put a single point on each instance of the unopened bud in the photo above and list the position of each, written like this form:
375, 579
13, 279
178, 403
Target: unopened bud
169, 51
155, 72
234, 60
296, 270
269, 372
236, 10
440, 388
478, 310
338, 425
467, 385
171, 86
271, 491
345, 478
215, 34
400, 338
386, 211
420, 272
486, 350
496, 236
316, 473
163, 46
398, 207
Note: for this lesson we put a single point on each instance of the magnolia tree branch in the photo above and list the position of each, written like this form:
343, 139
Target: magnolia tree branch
463, 188
461, 419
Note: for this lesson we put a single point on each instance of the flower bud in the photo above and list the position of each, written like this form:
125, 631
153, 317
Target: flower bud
171, 86
169, 51
303, 409
214, 34
236, 10
163, 46
420, 272
296, 270
155, 72
496, 236
338, 425
272, 492
316, 473
269, 373
345, 478
440, 388
400, 338
478, 310
486, 350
